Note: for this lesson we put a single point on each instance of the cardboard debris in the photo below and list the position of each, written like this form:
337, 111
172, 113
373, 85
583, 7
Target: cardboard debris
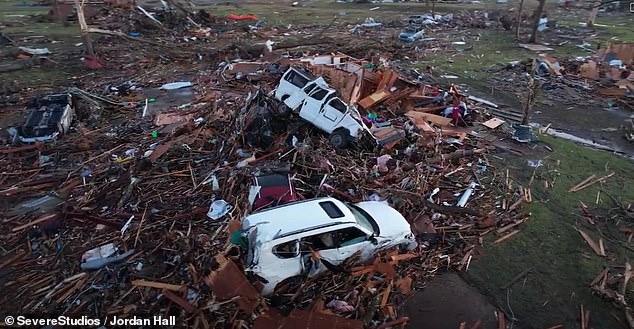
493, 123
589, 70
622, 51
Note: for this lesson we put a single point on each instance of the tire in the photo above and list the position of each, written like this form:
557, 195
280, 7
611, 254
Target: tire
284, 110
339, 138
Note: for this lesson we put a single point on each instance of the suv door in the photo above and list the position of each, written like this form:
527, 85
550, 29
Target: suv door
346, 242
312, 107
333, 110
296, 98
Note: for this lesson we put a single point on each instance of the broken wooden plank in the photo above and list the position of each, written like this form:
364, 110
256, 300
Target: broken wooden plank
599, 277
158, 285
374, 98
501, 319
184, 304
534, 47
433, 118
516, 278
590, 241
34, 222
587, 184
392, 324
574, 188
506, 237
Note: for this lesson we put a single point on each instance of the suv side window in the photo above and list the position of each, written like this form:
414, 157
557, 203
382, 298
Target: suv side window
349, 236
296, 79
335, 239
288, 249
310, 87
339, 105
319, 94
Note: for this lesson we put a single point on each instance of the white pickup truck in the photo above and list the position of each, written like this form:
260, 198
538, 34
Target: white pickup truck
317, 103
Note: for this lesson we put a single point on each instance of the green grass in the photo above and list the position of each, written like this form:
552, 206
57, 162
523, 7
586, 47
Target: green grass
619, 29
564, 264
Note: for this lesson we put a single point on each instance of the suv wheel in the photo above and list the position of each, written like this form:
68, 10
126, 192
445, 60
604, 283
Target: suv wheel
339, 138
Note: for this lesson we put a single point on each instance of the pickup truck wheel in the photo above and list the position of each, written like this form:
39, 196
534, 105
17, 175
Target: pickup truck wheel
284, 110
339, 138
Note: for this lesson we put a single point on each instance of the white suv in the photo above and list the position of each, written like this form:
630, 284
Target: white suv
317, 103
282, 239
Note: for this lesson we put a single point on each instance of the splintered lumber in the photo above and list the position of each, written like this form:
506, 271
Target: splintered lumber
506, 237
454, 155
590, 242
34, 222
394, 323
516, 278
587, 182
510, 226
627, 277
185, 305
575, 188
501, 319
158, 285
433, 118
600, 276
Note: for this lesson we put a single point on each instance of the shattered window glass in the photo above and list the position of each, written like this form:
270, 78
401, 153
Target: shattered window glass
349, 236
287, 250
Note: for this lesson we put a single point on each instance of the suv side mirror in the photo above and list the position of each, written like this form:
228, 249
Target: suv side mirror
373, 240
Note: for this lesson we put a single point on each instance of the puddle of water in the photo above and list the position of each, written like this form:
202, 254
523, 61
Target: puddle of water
587, 142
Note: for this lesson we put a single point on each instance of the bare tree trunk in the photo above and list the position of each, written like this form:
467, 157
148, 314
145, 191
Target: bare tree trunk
519, 20
593, 13
433, 7
533, 88
538, 16
84, 28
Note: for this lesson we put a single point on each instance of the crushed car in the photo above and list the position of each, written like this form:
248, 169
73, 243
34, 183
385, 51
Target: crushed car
316, 102
282, 241
50, 117
411, 34
272, 186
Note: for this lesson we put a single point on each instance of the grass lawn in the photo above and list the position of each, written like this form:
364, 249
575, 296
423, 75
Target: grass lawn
564, 265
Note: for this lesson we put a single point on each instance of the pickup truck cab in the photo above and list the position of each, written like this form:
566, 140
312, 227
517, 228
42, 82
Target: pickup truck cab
317, 103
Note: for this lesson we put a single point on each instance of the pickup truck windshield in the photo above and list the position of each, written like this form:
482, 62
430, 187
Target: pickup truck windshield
364, 219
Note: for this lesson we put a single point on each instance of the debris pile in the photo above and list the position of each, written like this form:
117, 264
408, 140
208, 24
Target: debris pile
133, 211
607, 74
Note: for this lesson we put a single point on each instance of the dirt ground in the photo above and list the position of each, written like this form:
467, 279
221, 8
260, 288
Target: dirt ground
446, 302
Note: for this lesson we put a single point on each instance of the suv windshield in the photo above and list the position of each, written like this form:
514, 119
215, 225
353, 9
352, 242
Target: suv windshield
364, 219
